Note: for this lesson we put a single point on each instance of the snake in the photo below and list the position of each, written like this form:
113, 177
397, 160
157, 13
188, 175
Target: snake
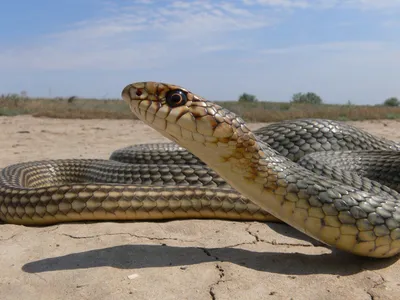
329, 180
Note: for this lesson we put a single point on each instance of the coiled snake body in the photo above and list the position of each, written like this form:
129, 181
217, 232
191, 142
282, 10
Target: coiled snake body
334, 182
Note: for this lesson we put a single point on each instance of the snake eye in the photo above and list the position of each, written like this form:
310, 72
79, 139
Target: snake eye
176, 98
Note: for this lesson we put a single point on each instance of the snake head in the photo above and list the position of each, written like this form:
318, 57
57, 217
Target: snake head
191, 121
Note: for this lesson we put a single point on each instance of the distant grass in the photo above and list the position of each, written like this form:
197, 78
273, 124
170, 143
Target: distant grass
253, 112
392, 116
6, 111
277, 111
62, 108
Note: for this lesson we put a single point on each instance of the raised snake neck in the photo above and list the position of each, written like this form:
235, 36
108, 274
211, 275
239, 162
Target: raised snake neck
341, 215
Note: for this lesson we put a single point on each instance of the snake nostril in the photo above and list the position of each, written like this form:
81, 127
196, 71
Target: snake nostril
138, 93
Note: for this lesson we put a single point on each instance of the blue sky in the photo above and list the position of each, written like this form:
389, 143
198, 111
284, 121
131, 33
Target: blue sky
341, 49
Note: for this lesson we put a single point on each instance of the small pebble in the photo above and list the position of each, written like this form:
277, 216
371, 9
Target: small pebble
133, 276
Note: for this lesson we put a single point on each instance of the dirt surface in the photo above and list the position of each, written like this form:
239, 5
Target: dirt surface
192, 259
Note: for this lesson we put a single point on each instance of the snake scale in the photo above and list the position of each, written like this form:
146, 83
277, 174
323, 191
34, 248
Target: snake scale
334, 182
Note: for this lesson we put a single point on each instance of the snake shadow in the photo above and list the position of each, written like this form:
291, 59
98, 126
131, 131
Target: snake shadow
150, 256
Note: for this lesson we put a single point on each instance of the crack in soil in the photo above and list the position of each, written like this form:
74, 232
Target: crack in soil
377, 284
221, 273
273, 242
123, 233
9, 238
52, 228
40, 277
208, 253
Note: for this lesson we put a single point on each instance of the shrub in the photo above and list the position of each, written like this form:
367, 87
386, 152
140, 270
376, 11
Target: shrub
309, 98
247, 98
71, 99
393, 101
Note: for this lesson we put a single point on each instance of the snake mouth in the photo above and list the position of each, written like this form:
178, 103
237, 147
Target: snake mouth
154, 121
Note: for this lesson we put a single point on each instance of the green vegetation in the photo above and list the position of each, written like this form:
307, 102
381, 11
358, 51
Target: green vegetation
247, 98
393, 101
308, 98
256, 111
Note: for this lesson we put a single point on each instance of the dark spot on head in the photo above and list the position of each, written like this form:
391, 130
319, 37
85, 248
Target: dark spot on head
138, 92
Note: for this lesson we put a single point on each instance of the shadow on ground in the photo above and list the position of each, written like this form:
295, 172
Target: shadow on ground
150, 256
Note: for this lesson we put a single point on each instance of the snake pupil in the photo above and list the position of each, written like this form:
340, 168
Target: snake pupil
138, 93
176, 98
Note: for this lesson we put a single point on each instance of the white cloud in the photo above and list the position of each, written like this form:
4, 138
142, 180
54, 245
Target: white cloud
144, 34
281, 3
139, 34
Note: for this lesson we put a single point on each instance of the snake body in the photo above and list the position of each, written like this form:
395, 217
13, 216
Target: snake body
52, 191
284, 171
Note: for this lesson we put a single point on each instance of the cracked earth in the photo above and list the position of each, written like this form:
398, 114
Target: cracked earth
189, 259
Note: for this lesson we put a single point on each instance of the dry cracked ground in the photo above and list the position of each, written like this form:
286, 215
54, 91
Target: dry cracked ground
191, 259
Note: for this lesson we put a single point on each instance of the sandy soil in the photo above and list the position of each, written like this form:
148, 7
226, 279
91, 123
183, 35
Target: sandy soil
193, 259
